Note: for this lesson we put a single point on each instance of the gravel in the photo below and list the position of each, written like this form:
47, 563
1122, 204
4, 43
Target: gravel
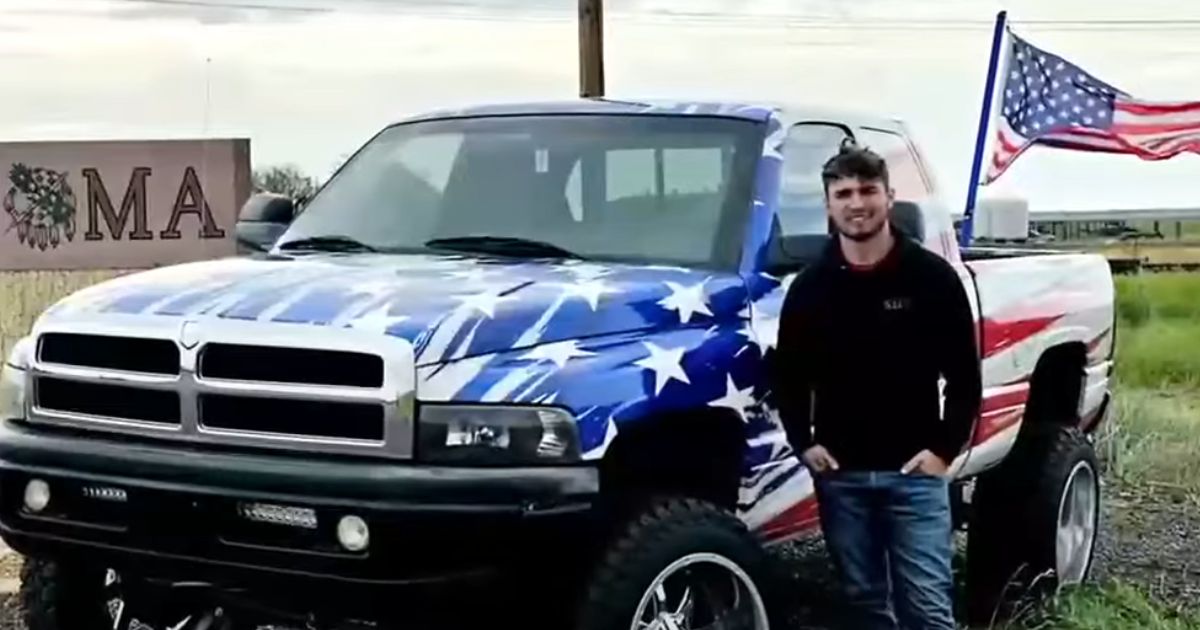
1150, 536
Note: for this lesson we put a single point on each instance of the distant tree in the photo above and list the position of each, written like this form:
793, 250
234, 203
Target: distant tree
284, 180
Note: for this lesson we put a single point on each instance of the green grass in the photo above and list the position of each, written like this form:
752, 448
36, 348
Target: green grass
1145, 297
1155, 433
1158, 330
1114, 606
1164, 353
1154, 438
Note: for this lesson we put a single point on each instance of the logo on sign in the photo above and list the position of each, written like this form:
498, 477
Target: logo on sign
40, 205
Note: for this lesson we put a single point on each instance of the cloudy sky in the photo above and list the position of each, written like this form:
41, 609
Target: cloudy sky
308, 80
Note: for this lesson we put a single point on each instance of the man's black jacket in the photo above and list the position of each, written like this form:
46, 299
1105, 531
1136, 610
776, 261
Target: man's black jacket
860, 354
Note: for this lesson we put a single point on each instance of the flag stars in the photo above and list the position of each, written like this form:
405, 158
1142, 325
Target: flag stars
558, 353
590, 291
667, 365
485, 302
739, 400
686, 300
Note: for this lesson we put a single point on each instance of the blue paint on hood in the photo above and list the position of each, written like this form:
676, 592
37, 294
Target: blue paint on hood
448, 306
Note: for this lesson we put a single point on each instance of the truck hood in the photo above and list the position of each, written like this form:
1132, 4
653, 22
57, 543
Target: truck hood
449, 307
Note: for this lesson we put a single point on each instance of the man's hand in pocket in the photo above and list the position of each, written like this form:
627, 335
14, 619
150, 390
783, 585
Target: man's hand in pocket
819, 460
926, 462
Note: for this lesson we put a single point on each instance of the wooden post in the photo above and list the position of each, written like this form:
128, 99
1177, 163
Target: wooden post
591, 48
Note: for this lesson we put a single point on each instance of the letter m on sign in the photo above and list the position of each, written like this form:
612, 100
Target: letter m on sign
99, 203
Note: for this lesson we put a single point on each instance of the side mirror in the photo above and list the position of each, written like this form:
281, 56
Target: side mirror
263, 219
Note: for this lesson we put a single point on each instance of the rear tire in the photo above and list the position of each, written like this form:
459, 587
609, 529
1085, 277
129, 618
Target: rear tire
667, 550
1034, 521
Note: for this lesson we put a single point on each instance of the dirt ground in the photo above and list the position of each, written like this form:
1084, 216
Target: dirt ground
1150, 536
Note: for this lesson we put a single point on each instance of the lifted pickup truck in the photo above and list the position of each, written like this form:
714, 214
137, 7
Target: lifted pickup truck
517, 340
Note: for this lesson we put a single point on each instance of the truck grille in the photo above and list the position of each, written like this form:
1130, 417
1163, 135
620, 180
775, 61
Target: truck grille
107, 401
353, 421
290, 365
240, 384
129, 354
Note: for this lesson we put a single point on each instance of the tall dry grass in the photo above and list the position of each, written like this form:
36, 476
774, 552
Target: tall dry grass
25, 294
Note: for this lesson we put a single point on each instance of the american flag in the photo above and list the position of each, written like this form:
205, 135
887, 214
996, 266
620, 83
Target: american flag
1050, 101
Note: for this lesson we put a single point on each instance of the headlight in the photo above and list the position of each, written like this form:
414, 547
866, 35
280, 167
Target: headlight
12, 380
493, 434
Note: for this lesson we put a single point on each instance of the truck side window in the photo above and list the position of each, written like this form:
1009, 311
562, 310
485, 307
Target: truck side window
802, 194
903, 168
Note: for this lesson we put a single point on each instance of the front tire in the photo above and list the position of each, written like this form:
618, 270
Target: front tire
1035, 521
58, 595
680, 563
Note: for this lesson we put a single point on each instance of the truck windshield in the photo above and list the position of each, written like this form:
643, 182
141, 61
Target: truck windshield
630, 188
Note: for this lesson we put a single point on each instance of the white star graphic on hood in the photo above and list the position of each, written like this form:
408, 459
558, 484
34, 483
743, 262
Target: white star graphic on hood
589, 291
739, 400
484, 302
559, 352
587, 271
666, 364
762, 331
687, 301
377, 319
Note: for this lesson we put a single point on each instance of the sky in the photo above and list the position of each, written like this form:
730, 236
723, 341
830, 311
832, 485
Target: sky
308, 81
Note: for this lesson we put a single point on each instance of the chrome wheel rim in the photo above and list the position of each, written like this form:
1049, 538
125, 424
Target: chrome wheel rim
701, 591
125, 617
1078, 512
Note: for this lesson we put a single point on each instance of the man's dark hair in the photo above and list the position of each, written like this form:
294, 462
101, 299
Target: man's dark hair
854, 161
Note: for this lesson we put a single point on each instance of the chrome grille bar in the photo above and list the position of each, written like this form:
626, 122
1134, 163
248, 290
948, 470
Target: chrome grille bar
391, 400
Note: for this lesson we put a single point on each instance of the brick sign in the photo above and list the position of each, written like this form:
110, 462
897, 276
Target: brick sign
119, 204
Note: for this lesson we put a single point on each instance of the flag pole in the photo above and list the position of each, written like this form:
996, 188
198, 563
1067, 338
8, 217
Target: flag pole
981, 139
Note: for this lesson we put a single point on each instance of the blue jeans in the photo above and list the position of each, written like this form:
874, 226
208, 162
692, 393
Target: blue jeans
890, 535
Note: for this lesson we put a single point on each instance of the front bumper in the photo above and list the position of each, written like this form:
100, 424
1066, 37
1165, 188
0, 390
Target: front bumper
180, 515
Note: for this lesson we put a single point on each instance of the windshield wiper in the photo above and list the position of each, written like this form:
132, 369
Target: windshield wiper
328, 243
505, 245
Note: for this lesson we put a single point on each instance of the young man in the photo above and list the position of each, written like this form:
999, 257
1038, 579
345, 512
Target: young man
866, 334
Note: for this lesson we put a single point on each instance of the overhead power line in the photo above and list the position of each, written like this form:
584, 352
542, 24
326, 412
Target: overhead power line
489, 13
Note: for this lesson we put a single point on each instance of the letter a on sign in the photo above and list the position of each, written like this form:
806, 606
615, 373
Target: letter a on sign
190, 200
